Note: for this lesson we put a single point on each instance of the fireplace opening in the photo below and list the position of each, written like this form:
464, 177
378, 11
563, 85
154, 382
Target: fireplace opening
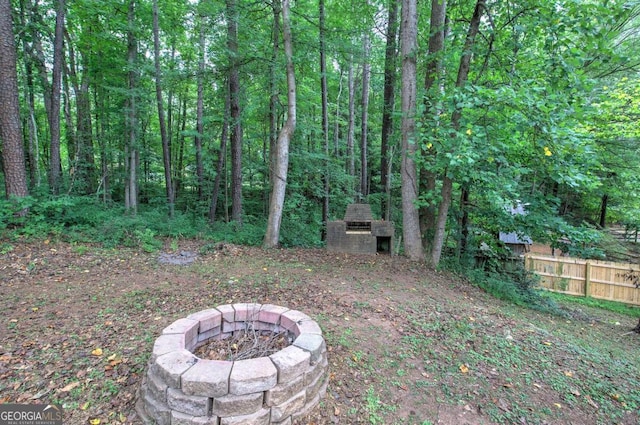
383, 245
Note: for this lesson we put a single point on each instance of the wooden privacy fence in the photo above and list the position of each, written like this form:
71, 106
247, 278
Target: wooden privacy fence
588, 278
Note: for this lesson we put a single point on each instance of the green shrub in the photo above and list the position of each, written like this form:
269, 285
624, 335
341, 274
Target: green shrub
519, 287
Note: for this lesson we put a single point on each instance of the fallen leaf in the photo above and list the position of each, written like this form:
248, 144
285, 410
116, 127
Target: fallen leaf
69, 387
591, 402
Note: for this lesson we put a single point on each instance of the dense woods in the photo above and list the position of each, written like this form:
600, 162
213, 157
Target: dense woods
442, 115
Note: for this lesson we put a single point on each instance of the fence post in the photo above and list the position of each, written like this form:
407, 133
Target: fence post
587, 278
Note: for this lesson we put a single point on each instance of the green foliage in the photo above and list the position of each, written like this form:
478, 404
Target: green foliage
519, 287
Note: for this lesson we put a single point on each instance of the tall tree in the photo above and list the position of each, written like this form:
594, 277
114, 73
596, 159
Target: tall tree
166, 151
222, 157
274, 92
236, 115
55, 166
410, 219
325, 116
351, 125
390, 71
131, 147
15, 175
82, 156
200, 105
364, 124
432, 88
447, 180
272, 236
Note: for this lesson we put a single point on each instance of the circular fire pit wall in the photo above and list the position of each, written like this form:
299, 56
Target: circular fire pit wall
182, 389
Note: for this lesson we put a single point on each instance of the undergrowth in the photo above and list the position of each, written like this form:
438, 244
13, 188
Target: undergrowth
77, 219
519, 287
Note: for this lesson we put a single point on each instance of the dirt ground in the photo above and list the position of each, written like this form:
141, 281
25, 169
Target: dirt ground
406, 345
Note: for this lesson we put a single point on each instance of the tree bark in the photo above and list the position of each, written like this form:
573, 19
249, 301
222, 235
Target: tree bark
433, 75
272, 236
131, 150
274, 102
447, 182
222, 156
603, 210
325, 119
55, 166
364, 124
390, 59
351, 126
236, 122
200, 108
80, 144
410, 219
166, 149
15, 174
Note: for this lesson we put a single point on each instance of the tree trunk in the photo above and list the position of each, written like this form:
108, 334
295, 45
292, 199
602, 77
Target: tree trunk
364, 125
602, 222
179, 163
351, 130
131, 150
54, 119
166, 151
464, 220
325, 120
200, 108
222, 156
236, 124
433, 75
274, 92
447, 183
410, 220
391, 53
15, 174
272, 236
85, 161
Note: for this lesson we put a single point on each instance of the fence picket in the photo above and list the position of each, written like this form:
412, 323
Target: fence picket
598, 279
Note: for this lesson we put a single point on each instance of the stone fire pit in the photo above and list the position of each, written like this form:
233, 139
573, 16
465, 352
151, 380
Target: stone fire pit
180, 388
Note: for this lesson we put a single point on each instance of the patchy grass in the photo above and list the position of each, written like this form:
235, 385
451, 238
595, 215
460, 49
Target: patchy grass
406, 346
613, 306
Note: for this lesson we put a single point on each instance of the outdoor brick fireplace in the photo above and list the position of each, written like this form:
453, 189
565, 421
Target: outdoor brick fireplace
182, 389
359, 233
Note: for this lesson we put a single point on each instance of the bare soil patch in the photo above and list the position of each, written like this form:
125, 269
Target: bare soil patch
406, 345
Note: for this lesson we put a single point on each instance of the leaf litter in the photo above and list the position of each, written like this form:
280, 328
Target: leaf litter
406, 345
